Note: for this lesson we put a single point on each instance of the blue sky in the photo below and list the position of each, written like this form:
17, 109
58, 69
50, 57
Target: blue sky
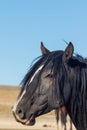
24, 23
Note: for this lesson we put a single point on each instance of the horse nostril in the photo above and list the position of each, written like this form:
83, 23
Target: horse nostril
20, 113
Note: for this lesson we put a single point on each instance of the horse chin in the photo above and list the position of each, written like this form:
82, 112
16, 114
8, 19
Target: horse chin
30, 122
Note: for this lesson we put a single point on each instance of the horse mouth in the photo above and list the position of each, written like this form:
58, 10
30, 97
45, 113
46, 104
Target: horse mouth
31, 121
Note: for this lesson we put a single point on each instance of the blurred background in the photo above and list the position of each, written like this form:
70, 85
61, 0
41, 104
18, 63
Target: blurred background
25, 23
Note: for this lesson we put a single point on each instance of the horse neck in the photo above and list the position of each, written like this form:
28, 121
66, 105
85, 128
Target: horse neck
77, 107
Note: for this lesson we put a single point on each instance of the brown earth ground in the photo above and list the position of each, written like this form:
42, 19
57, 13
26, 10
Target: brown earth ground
8, 96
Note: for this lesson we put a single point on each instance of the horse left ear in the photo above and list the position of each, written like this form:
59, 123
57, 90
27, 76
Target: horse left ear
44, 50
68, 52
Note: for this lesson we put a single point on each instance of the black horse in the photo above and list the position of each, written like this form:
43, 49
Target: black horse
58, 79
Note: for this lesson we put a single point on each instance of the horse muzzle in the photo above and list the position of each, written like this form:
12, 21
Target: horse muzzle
24, 121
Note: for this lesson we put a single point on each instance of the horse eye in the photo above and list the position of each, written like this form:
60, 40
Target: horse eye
49, 76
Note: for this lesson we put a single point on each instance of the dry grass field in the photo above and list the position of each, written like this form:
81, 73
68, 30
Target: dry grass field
8, 96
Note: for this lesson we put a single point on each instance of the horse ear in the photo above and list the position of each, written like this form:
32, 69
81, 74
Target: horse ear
44, 50
68, 52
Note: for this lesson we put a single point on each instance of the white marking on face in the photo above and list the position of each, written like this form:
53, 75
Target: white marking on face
24, 92
36, 73
16, 104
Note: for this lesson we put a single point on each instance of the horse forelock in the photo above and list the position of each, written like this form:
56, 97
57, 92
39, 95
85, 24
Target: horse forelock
40, 64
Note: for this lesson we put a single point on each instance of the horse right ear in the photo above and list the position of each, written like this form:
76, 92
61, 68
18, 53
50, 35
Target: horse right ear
44, 50
68, 52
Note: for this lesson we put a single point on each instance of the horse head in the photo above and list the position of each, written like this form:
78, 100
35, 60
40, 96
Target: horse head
45, 87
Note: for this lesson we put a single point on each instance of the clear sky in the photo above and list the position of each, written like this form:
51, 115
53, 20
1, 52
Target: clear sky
24, 23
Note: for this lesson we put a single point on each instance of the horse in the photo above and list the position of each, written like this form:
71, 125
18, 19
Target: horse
58, 79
